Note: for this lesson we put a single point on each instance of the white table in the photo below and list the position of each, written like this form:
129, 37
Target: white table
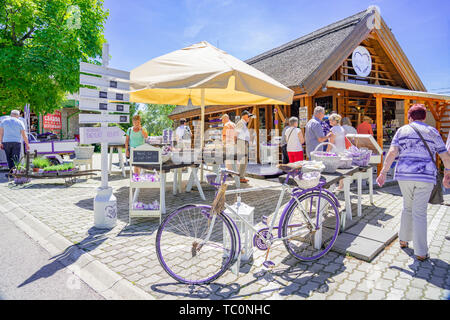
120, 148
359, 176
193, 178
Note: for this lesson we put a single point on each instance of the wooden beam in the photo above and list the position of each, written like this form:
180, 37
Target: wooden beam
281, 114
405, 110
379, 123
257, 128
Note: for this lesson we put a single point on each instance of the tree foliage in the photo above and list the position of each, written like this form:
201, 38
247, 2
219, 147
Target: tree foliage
155, 118
41, 45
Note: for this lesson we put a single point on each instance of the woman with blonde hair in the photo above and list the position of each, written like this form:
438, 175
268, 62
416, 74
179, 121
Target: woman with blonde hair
338, 139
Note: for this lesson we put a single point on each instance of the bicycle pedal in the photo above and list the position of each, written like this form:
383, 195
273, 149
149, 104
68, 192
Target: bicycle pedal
265, 220
268, 264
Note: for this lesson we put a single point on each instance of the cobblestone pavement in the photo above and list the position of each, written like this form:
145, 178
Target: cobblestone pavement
129, 250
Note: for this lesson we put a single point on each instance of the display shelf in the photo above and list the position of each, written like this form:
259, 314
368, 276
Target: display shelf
146, 154
145, 213
144, 184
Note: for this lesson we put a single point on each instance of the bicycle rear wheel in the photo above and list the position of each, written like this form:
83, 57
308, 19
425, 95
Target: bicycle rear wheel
179, 245
304, 241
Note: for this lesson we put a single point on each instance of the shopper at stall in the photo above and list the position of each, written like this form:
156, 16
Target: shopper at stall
135, 136
447, 177
228, 140
183, 135
294, 140
243, 140
314, 131
12, 131
284, 153
338, 138
365, 127
347, 125
416, 175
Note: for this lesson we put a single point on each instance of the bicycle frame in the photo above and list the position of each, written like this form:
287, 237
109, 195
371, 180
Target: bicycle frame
295, 193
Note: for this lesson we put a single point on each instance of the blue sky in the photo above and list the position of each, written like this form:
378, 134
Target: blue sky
140, 30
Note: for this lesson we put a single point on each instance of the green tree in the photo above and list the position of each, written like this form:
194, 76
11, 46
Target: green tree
41, 45
155, 118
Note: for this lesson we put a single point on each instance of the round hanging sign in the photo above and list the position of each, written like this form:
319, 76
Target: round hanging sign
362, 62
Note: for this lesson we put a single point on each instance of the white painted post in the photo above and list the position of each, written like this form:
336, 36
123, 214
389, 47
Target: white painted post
105, 203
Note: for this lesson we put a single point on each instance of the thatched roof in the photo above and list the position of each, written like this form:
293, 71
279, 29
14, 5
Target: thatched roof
294, 61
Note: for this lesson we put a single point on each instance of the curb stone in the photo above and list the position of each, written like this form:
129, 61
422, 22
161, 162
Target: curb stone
97, 275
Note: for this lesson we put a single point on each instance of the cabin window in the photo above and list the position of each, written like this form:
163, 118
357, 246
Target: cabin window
326, 102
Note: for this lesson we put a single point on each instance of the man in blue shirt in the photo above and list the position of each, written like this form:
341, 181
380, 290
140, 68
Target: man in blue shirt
12, 131
314, 131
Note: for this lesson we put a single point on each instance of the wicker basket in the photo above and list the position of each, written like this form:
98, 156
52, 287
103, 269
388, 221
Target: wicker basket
307, 183
84, 152
331, 162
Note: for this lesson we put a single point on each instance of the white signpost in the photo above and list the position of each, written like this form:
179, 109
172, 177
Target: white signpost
112, 85
89, 135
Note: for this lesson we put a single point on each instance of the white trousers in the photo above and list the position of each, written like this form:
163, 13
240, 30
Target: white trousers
413, 225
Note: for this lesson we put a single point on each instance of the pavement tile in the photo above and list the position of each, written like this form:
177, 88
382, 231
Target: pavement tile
129, 249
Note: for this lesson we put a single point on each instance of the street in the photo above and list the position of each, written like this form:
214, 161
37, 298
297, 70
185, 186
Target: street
27, 271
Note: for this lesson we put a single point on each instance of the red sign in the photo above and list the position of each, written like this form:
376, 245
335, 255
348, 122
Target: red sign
53, 121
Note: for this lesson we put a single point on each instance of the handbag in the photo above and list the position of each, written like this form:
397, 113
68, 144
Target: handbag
437, 195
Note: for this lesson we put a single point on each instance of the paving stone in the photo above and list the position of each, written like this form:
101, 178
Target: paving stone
359, 247
383, 235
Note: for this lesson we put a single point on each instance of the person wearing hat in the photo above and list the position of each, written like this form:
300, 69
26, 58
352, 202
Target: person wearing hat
243, 140
416, 145
228, 139
12, 131
183, 135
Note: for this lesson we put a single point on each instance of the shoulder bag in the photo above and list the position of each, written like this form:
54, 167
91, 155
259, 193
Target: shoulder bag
437, 196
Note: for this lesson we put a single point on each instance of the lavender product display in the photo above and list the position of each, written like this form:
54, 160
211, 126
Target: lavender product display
142, 206
146, 177
361, 157
307, 180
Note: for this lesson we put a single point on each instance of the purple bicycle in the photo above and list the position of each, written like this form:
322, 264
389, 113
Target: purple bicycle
196, 244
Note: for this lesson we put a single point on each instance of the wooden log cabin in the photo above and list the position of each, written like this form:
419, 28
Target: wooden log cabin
323, 68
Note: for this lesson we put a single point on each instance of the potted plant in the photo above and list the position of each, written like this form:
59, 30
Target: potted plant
40, 163
84, 151
19, 168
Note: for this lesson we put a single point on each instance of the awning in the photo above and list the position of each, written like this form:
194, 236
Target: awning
386, 90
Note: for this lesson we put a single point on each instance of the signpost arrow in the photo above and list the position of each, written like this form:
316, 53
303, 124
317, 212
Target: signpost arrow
89, 135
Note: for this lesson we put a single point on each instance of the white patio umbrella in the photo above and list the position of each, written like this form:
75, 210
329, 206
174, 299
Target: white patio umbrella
207, 76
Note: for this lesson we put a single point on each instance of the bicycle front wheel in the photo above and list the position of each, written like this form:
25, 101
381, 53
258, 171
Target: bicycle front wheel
311, 226
182, 250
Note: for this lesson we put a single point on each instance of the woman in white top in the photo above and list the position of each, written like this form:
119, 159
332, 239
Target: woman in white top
339, 133
294, 141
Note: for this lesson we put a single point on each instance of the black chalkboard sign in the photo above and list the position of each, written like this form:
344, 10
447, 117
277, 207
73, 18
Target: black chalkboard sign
146, 156
123, 119
113, 84
103, 94
119, 107
103, 106
119, 96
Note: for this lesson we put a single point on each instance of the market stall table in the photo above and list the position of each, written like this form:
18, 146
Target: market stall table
167, 167
120, 147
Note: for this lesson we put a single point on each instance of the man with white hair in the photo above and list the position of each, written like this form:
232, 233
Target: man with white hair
314, 131
12, 131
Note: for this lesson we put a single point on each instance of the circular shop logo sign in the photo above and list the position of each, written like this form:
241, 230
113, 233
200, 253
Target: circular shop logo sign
362, 62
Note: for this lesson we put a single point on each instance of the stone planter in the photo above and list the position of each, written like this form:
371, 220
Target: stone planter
84, 152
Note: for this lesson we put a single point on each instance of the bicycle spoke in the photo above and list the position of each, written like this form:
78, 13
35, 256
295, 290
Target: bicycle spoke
183, 250
309, 226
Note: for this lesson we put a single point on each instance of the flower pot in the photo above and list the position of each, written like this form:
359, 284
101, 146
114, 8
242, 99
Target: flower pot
35, 169
84, 152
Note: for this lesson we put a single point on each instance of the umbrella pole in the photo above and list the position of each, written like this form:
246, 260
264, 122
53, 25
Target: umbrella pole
202, 130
